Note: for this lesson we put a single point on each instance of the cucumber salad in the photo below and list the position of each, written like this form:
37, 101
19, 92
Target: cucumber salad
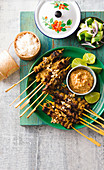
91, 33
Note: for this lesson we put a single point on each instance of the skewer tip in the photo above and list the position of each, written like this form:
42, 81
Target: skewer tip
95, 142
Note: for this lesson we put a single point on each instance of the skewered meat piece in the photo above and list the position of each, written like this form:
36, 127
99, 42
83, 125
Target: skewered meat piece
64, 97
71, 100
71, 106
45, 75
55, 82
57, 116
46, 60
73, 116
65, 90
62, 108
60, 117
66, 110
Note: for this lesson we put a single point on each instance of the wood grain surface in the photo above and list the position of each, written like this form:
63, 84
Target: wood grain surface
39, 147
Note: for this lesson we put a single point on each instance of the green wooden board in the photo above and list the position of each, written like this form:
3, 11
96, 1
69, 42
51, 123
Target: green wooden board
27, 24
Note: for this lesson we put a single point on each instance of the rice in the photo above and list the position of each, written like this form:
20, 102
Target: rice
27, 44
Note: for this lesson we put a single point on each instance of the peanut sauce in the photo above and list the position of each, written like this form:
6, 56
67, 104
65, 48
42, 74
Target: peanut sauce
81, 81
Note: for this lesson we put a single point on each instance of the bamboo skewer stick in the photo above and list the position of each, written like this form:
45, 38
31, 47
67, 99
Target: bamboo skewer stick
23, 92
101, 133
36, 106
31, 105
18, 82
97, 115
93, 113
21, 101
28, 101
93, 120
92, 125
98, 131
67, 67
91, 139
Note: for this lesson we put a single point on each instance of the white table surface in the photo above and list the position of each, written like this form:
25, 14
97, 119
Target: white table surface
39, 147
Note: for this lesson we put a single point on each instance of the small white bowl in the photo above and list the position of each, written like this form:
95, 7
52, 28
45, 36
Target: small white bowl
85, 68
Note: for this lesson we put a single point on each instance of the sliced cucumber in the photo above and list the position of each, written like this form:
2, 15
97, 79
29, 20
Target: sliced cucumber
82, 25
81, 35
89, 21
90, 26
100, 25
98, 37
87, 39
92, 40
88, 35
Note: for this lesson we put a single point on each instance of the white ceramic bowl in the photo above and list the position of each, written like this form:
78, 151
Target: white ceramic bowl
85, 68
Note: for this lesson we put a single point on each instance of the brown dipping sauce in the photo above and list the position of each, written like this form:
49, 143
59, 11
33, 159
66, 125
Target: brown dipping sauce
81, 81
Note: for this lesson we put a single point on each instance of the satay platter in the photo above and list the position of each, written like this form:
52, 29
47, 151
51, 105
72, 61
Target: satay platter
67, 52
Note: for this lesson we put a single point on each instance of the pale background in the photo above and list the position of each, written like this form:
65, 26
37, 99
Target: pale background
39, 147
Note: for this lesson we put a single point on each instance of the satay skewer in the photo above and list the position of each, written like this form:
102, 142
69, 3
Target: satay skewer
91, 139
21, 101
90, 118
19, 81
98, 131
94, 114
23, 91
91, 112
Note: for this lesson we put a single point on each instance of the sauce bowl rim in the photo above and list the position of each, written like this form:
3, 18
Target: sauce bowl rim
85, 68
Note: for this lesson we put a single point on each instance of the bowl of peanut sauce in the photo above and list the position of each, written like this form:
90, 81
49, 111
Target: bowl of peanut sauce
81, 80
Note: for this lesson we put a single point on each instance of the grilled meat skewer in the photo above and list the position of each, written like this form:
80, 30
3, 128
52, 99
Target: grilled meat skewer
61, 110
51, 70
57, 116
70, 99
46, 60
56, 81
